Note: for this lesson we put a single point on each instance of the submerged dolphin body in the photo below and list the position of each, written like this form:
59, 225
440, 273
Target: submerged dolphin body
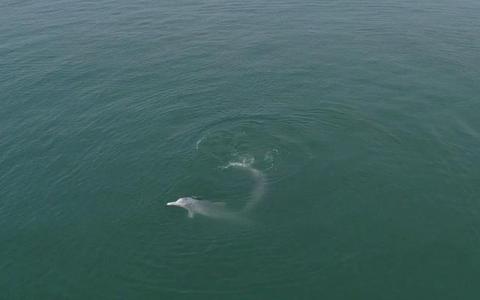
217, 210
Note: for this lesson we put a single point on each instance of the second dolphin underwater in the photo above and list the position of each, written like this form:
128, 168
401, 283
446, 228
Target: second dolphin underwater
218, 210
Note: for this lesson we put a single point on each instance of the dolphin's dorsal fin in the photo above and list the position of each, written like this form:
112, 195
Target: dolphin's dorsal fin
220, 204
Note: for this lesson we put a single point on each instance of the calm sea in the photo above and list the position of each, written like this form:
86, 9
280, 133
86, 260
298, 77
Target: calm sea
362, 115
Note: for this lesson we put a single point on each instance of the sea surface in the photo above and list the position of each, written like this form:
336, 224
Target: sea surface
363, 116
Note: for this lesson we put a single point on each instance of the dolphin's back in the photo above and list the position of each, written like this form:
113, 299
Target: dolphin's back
258, 190
216, 210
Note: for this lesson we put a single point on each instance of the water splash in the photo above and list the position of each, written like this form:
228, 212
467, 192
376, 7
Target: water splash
244, 162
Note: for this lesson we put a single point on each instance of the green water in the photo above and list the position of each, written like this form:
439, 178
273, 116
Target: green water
364, 117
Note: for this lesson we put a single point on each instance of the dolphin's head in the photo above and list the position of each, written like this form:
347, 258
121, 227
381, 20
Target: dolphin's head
181, 202
186, 202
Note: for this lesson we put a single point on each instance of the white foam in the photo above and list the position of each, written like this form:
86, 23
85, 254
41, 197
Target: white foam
245, 162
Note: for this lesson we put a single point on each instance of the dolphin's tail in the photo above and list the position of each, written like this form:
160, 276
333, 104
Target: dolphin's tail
260, 182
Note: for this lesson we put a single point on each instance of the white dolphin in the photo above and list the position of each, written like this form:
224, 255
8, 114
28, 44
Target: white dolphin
217, 210
202, 207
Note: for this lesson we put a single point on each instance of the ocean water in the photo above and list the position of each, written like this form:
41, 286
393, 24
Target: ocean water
362, 116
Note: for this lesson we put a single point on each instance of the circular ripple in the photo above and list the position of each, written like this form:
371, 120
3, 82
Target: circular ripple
268, 142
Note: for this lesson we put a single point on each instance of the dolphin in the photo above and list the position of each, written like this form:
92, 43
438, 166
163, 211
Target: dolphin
217, 210
206, 208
